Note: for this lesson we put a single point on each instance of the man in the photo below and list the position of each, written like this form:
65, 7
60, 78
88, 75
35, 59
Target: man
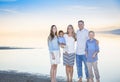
82, 37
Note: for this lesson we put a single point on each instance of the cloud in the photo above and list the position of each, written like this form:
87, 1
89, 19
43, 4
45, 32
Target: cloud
8, 11
79, 7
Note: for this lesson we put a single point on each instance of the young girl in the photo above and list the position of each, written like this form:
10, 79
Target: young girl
92, 50
69, 54
54, 50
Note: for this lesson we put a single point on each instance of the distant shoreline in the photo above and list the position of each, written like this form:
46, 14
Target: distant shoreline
115, 32
11, 48
13, 76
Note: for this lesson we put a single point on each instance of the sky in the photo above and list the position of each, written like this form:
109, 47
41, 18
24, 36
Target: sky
33, 18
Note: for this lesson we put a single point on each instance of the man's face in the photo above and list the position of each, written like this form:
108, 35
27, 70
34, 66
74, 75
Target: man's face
81, 25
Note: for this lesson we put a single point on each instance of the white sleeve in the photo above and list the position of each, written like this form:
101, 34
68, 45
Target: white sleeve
87, 34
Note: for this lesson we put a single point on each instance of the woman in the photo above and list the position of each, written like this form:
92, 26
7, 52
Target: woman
69, 52
54, 52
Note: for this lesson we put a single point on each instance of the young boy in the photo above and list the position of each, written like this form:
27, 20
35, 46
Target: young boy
92, 50
61, 39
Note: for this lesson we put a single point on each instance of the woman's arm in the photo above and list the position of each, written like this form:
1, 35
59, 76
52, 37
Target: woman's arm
51, 49
50, 46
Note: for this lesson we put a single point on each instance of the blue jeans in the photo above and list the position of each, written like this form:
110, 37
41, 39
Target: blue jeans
79, 59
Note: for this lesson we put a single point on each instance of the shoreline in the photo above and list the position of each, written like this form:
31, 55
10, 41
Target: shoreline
13, 48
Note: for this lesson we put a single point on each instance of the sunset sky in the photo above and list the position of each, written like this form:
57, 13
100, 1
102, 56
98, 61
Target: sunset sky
32, 18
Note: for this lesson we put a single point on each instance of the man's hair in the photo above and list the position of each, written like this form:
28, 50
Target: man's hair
81, 21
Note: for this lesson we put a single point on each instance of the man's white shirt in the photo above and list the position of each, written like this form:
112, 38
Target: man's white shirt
82, 37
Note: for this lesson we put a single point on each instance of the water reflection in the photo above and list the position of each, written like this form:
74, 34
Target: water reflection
37, 60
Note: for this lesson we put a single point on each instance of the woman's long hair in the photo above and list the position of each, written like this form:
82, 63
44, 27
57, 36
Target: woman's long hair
52, 35
73, 33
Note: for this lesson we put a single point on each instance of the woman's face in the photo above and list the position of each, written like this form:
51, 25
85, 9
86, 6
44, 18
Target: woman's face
70, 29
54, 29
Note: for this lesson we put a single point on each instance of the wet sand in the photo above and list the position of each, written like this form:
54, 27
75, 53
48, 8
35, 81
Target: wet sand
13, 76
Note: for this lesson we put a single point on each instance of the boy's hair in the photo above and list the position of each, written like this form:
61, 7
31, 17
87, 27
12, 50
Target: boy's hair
61, 31
91, 32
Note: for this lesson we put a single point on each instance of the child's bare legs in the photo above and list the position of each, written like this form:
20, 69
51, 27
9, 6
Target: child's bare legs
53, 72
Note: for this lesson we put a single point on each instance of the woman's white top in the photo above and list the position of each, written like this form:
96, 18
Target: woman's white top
70, 44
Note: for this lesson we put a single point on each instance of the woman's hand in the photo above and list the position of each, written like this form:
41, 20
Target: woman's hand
53, 56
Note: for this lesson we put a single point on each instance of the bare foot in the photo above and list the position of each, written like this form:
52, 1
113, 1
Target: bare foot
91, 80
97, 80
80, 80
70, 81
87, 80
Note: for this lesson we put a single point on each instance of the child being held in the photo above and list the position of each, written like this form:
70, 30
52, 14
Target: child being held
61, 39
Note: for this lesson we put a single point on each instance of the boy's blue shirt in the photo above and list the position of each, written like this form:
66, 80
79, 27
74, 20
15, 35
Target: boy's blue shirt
61, 40
91, 48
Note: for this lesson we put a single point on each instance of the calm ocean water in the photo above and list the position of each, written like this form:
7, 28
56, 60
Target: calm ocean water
37, 60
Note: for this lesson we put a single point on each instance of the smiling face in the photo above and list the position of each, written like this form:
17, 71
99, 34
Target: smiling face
80, 25
70, 29
61, 34
54, 29
53, 32
91, 34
